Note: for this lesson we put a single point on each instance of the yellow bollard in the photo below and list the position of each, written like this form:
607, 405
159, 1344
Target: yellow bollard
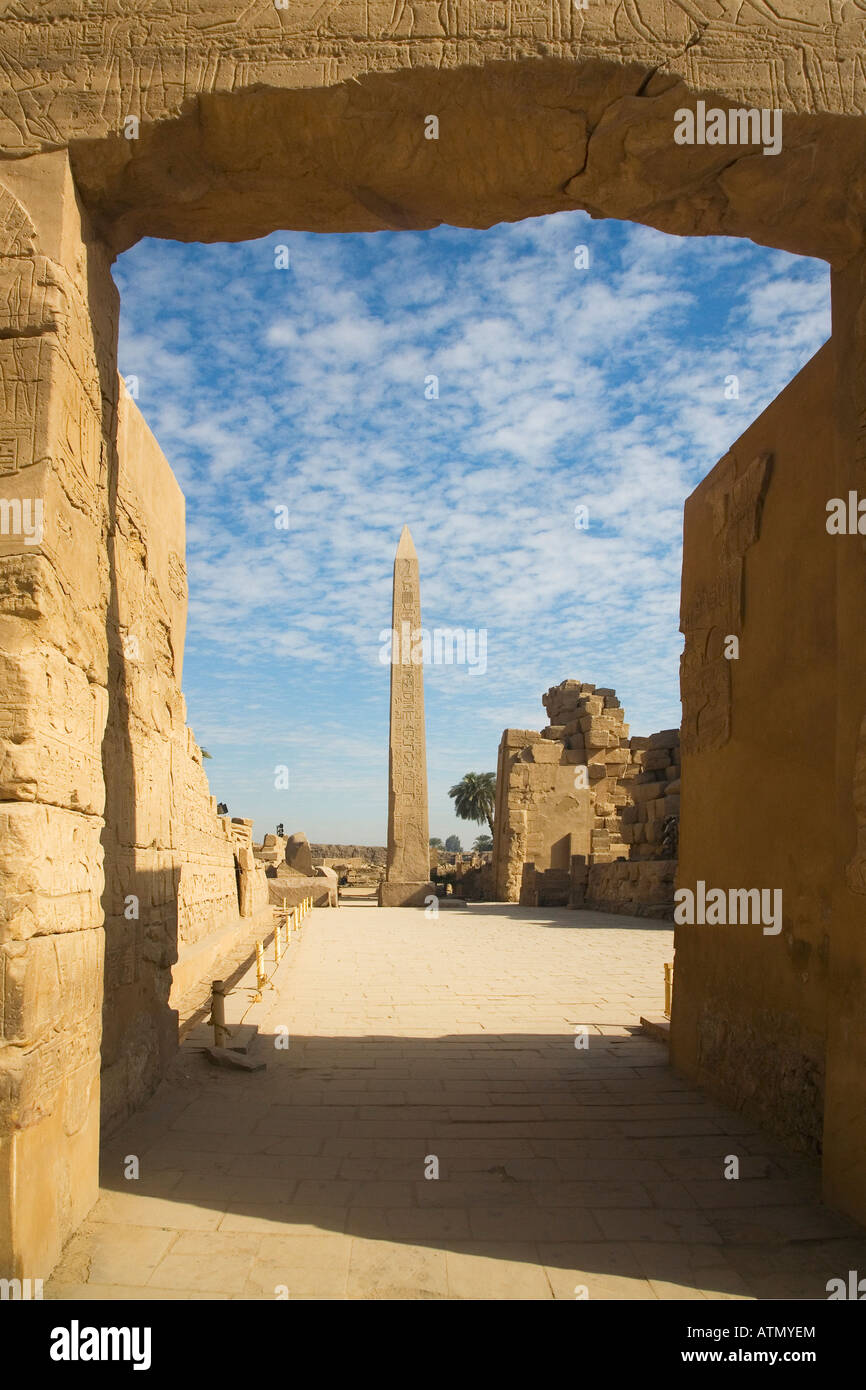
278, 945
261, 978
669, 980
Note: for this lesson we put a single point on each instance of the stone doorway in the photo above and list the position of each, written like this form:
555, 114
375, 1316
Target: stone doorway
323, 128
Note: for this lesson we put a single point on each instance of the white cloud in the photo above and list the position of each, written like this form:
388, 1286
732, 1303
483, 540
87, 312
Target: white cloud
305, 388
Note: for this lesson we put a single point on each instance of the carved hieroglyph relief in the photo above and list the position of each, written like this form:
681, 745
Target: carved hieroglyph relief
408, 838
715, 606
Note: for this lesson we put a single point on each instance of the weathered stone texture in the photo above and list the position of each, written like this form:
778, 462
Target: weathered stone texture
581, 789
354, 855
254, 118
639, 888
238, 105
407, 869
298, 854
750, 1012
191, 871
57, 396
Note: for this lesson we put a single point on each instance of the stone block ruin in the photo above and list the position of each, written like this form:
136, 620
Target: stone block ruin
466, 874
587, 816
291, 874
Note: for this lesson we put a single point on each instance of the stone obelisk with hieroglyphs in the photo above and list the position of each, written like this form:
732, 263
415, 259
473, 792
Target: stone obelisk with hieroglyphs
407, 874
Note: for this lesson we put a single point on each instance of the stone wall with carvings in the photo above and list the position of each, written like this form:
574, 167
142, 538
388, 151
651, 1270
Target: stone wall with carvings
247, 118
244, 119
759, 767
58, 395
175, 871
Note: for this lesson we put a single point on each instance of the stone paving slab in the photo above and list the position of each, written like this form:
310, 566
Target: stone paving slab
563, 1171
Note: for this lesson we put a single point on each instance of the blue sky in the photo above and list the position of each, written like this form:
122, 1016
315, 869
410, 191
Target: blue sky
559, 387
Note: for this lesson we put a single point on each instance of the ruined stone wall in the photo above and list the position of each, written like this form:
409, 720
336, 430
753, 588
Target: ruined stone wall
649, 824
636, 887
542, 816
750, 1010
252, 881
346, 854
582, 793
590, 722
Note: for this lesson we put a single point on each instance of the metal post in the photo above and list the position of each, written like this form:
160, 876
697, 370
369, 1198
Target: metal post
669, 976
218, 1013
261, 978
278, 945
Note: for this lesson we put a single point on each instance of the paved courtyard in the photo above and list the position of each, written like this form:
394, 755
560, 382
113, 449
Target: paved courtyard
563, 1171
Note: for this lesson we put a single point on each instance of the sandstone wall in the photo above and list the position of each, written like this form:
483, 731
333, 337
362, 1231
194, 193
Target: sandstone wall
844, 888
649, 824
253, 117
590, 722
58, 394
175, 872
559, 107
638, 888
346, 854
758, 743
541, 816
582, 793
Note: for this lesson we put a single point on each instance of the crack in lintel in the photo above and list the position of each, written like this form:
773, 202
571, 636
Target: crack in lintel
640, 92
664, 66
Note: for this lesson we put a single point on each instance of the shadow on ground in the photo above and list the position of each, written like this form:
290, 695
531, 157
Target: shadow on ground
559, 1169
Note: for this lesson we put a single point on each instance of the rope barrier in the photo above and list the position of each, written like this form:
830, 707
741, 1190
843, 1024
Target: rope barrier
219, 994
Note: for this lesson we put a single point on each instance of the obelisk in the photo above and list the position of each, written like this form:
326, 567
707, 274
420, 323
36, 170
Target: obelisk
407, 873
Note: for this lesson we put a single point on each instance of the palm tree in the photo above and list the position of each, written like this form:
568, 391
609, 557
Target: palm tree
475, 797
